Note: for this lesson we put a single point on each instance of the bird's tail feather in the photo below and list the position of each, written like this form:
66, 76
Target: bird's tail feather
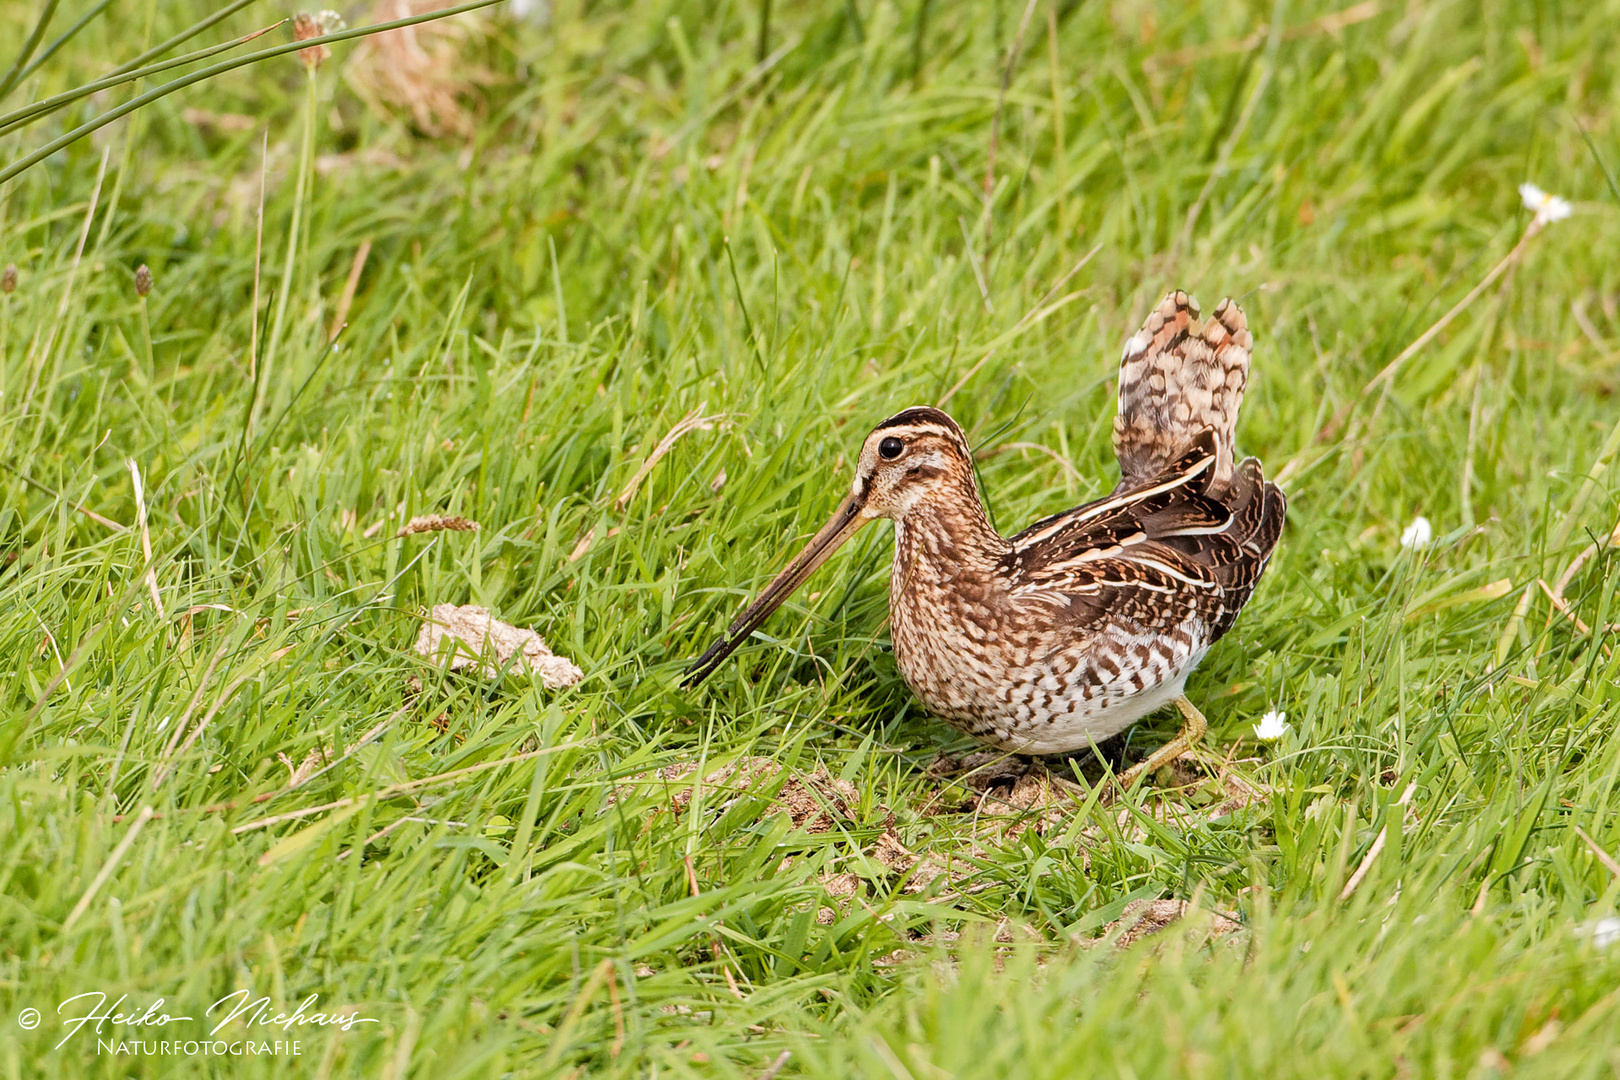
1177, 378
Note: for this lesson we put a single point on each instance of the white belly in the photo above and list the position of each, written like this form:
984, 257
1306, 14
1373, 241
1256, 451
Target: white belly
1091, 722
1052, 705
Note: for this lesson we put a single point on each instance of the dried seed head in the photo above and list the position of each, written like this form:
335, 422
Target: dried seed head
307, 26
8, 278
143, 280
428, 523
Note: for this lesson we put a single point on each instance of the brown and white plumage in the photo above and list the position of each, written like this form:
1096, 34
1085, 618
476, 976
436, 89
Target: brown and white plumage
1070, 631
1176, 379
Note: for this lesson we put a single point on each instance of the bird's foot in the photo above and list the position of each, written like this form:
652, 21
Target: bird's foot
1192, 731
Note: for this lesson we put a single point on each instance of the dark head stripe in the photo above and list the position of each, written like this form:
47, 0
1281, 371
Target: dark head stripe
919, 415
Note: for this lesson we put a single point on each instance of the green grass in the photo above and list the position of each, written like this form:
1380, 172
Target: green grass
650, 222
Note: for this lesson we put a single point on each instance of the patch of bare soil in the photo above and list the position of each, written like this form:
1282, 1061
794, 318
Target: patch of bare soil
815, 802
1142, 918
1008, 795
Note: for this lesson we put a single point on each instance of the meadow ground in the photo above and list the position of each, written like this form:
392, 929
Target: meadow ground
627, 289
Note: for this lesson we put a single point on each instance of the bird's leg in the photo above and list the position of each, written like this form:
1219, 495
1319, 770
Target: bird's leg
1191, 731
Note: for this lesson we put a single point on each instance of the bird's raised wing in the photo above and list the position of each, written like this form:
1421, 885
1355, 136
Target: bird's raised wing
1172, 548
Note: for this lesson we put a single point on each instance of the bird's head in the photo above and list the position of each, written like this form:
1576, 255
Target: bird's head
909, 457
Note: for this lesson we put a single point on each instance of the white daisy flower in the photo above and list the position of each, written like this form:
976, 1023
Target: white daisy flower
1418, 534
1547, 208
1272, 726
1606, 932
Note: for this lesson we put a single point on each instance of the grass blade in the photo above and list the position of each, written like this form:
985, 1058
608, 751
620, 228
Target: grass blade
67, 36
14, 76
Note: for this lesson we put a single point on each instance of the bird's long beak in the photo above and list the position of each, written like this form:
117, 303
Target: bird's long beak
843, 525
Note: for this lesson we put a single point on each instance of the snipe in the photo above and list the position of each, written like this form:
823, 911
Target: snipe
1087, 621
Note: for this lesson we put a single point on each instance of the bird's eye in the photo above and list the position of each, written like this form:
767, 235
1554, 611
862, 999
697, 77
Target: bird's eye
890, 448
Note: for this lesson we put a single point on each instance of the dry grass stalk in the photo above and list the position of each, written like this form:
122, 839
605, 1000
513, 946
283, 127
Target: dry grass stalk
1508, 260
1603, 857
301, 776
340, 318
1040, 311
37, 360
114, 861
1579, 561
298, 775
187, 615
1377, 846
692, 421
1600, 465
586, 541
776, 1066
1561, 606
995, 121
258, 263
146, 535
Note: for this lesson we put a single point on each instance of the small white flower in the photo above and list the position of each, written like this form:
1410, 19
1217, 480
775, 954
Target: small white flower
1606, 932
1272, 726
1418, 534
1547, 208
